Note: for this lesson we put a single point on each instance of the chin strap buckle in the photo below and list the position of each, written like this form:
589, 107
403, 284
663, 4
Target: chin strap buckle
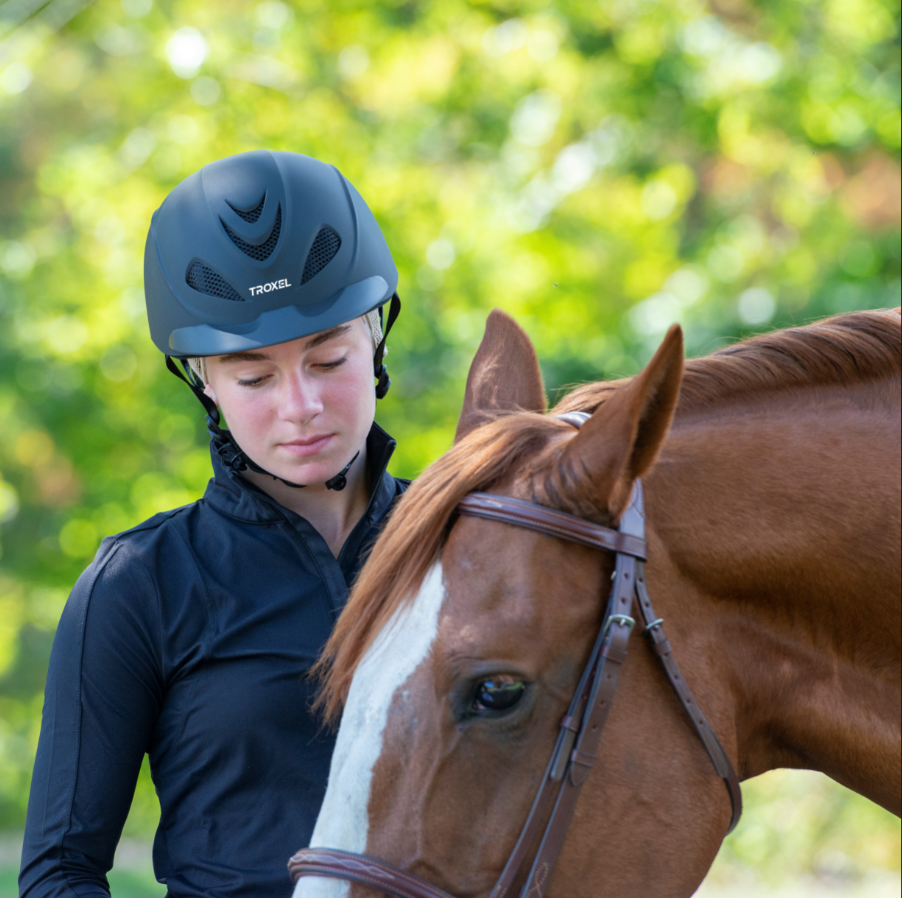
340, 480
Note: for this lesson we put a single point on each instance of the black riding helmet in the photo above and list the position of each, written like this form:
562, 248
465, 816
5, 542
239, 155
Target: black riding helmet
257, 249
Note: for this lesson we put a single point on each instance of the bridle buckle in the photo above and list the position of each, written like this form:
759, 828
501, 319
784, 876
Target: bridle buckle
623, 619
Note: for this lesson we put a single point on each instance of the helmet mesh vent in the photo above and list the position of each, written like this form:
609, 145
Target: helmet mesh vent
322, 252
264, 250
253, 215
205, 280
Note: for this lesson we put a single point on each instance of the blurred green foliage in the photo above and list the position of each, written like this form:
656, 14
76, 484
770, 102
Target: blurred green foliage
598, 169
802, 826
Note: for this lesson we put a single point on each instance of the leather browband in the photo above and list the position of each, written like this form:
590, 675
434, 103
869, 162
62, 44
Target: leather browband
581, 728
545, 520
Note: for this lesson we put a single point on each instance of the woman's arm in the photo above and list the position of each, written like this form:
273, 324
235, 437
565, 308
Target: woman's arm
103, 696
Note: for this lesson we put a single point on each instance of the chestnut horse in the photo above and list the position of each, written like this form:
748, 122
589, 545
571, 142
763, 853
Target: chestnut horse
772, 484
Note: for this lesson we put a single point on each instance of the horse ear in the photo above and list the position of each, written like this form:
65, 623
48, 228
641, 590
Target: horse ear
504, 376
622, 438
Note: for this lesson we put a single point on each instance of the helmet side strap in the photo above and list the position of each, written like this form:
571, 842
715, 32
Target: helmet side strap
379, 369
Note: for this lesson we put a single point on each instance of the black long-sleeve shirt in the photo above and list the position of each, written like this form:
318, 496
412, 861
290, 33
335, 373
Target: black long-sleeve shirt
188, 638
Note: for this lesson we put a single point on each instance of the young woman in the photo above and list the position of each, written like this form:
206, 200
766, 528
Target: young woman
189, 636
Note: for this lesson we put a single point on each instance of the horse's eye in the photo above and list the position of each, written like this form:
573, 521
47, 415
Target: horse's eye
498, 694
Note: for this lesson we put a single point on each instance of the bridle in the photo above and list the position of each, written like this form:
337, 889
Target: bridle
582, 726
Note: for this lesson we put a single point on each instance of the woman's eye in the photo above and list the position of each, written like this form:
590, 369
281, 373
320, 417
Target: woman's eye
328, 366
252, 382
498, 694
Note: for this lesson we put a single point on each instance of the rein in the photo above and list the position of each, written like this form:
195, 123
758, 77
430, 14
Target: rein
581, 728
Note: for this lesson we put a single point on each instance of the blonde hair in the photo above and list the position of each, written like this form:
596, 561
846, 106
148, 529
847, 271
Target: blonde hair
370, 319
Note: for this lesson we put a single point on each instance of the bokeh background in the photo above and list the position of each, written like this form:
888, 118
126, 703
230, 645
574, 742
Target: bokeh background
598, 169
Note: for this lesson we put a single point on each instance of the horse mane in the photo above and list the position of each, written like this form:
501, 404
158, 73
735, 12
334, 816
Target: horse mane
840, 350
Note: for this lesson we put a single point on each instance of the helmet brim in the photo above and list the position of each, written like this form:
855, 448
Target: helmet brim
281, 325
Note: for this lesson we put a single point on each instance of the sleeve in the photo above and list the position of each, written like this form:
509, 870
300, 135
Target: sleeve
102, 700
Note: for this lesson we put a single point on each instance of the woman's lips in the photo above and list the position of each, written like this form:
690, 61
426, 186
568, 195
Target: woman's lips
310, 446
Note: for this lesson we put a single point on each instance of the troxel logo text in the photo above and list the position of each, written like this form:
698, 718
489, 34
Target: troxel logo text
268, 288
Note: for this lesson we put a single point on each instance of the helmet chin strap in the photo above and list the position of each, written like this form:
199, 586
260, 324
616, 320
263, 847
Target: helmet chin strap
337, 483
232, 455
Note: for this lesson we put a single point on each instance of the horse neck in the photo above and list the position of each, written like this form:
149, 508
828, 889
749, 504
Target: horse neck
783, 515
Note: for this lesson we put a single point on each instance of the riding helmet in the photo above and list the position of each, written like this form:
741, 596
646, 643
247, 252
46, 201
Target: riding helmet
260, 248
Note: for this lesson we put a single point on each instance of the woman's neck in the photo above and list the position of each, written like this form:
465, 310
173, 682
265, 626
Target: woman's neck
333, 513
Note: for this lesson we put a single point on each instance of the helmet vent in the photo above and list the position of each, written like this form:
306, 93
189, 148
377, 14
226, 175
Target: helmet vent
262, 252
322, 252
254, 213
205, 280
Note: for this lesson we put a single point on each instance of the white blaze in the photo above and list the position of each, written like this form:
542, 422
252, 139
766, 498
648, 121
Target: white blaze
395, 654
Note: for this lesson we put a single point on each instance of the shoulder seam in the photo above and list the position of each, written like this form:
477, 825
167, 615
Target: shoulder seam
82, 625
203, 586
136, 556
206, 637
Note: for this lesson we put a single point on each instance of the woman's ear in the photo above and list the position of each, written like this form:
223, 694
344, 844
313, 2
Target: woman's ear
209, 391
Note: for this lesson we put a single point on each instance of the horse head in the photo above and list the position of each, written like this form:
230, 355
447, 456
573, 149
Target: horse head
464, 642
773, 519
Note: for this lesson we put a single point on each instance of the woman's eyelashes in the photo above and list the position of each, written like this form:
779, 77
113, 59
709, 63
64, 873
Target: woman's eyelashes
329, 366
251, 382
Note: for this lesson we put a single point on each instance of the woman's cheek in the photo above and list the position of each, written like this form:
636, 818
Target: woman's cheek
252, 414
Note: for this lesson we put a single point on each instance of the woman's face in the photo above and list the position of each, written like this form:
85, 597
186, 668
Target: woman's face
301, 409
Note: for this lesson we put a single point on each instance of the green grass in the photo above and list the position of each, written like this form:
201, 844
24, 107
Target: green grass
8, 883
135, 884
123, 884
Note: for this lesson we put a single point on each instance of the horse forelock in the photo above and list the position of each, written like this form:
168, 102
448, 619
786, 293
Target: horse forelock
841, 350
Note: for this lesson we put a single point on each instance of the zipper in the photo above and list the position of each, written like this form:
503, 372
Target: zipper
379, 474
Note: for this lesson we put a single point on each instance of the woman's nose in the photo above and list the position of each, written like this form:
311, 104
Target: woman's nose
300, 399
